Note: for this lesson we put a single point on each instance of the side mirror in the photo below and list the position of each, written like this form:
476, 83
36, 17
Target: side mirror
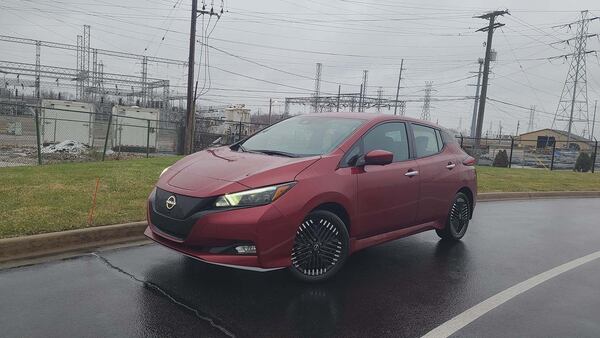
378, 157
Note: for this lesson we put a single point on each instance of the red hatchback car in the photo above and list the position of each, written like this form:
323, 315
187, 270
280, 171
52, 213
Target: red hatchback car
307, 192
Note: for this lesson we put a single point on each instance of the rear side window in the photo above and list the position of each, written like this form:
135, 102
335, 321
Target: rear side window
391, 136
448, 138
426, 140
439, 139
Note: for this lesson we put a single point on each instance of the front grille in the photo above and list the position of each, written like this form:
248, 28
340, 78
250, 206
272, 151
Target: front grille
185, 205
179, 220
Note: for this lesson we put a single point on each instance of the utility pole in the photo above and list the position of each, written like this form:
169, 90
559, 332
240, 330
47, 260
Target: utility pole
338, 97
191, 100
39, 101
594, 121
518, 125
474, 117
500, 129
363, 90
190, 113
531, 123
398, 88
492, 25
270, 107
360, 98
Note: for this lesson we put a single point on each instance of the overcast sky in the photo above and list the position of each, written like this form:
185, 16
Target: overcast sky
437, 39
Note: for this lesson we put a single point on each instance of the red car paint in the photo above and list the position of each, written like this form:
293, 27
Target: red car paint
380, 202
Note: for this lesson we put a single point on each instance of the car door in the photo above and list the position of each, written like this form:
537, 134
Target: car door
436, 169
387, 195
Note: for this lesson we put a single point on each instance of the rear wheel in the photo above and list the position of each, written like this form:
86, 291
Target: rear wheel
320, 247
458, 219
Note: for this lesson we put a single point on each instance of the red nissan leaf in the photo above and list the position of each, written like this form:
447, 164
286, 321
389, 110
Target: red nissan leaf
309, 191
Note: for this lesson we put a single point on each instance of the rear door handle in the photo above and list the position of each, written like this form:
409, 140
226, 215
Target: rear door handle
451, 166
412, 173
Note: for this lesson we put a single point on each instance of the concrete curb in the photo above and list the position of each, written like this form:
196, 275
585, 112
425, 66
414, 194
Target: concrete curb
507, 196
27, 247
56, 243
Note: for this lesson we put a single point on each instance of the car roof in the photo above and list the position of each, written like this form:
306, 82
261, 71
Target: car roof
372, 117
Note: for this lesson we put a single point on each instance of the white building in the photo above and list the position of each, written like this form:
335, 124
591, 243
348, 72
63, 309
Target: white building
67, 120
227, 121
135, 127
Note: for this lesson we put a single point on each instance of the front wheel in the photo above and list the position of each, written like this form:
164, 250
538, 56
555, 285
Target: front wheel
458, 219
320, 247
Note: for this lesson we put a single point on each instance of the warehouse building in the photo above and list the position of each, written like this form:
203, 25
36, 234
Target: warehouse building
548, 137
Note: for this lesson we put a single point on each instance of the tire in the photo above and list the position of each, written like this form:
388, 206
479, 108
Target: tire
320, 247
457, 221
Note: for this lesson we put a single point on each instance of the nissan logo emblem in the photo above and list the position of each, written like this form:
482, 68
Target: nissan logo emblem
171, 202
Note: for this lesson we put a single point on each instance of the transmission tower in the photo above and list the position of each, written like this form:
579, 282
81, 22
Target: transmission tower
86, 60
425, 114
379, 99
402, 107
317, 86
531, 123
573, 104
363, 90
78, 90
144, 80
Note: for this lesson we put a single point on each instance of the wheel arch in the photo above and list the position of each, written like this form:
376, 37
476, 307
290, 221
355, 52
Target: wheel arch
338, 210
467, 191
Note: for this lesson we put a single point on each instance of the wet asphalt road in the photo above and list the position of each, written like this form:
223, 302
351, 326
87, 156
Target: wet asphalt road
404, 288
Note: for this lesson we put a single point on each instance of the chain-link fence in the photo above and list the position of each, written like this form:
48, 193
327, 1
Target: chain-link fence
543, 152
214, 132
17, 135
75, 132
69, 131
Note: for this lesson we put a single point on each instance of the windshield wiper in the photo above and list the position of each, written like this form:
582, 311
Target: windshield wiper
274, 152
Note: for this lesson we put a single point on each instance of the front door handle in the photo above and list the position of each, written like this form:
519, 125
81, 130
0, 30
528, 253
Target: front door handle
450, 166
412, 173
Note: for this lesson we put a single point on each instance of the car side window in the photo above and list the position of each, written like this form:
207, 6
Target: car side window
448, 138
426, 140
439, 139
391, 136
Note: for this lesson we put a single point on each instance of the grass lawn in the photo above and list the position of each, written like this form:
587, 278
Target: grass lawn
490, 179
56, 197
40, 199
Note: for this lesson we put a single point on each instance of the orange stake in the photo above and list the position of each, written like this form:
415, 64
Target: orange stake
91, 213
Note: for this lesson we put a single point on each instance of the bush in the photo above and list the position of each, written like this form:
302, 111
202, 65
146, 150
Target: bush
501, 159
583, 163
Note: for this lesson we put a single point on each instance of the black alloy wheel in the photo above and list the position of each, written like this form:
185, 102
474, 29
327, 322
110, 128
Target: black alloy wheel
458, 219
320, 247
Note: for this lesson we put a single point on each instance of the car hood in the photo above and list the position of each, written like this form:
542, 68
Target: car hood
218, 171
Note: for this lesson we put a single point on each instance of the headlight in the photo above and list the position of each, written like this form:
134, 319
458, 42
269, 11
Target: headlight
253, 197
164, 171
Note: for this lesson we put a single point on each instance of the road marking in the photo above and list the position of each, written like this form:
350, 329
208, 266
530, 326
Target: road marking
453, 325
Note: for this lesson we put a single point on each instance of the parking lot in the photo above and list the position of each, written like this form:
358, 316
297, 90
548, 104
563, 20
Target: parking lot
404, 288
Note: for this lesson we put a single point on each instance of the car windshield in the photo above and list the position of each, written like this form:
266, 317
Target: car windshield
302, 136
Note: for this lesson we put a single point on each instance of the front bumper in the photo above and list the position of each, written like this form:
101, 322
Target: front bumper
264, 226
245, 262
